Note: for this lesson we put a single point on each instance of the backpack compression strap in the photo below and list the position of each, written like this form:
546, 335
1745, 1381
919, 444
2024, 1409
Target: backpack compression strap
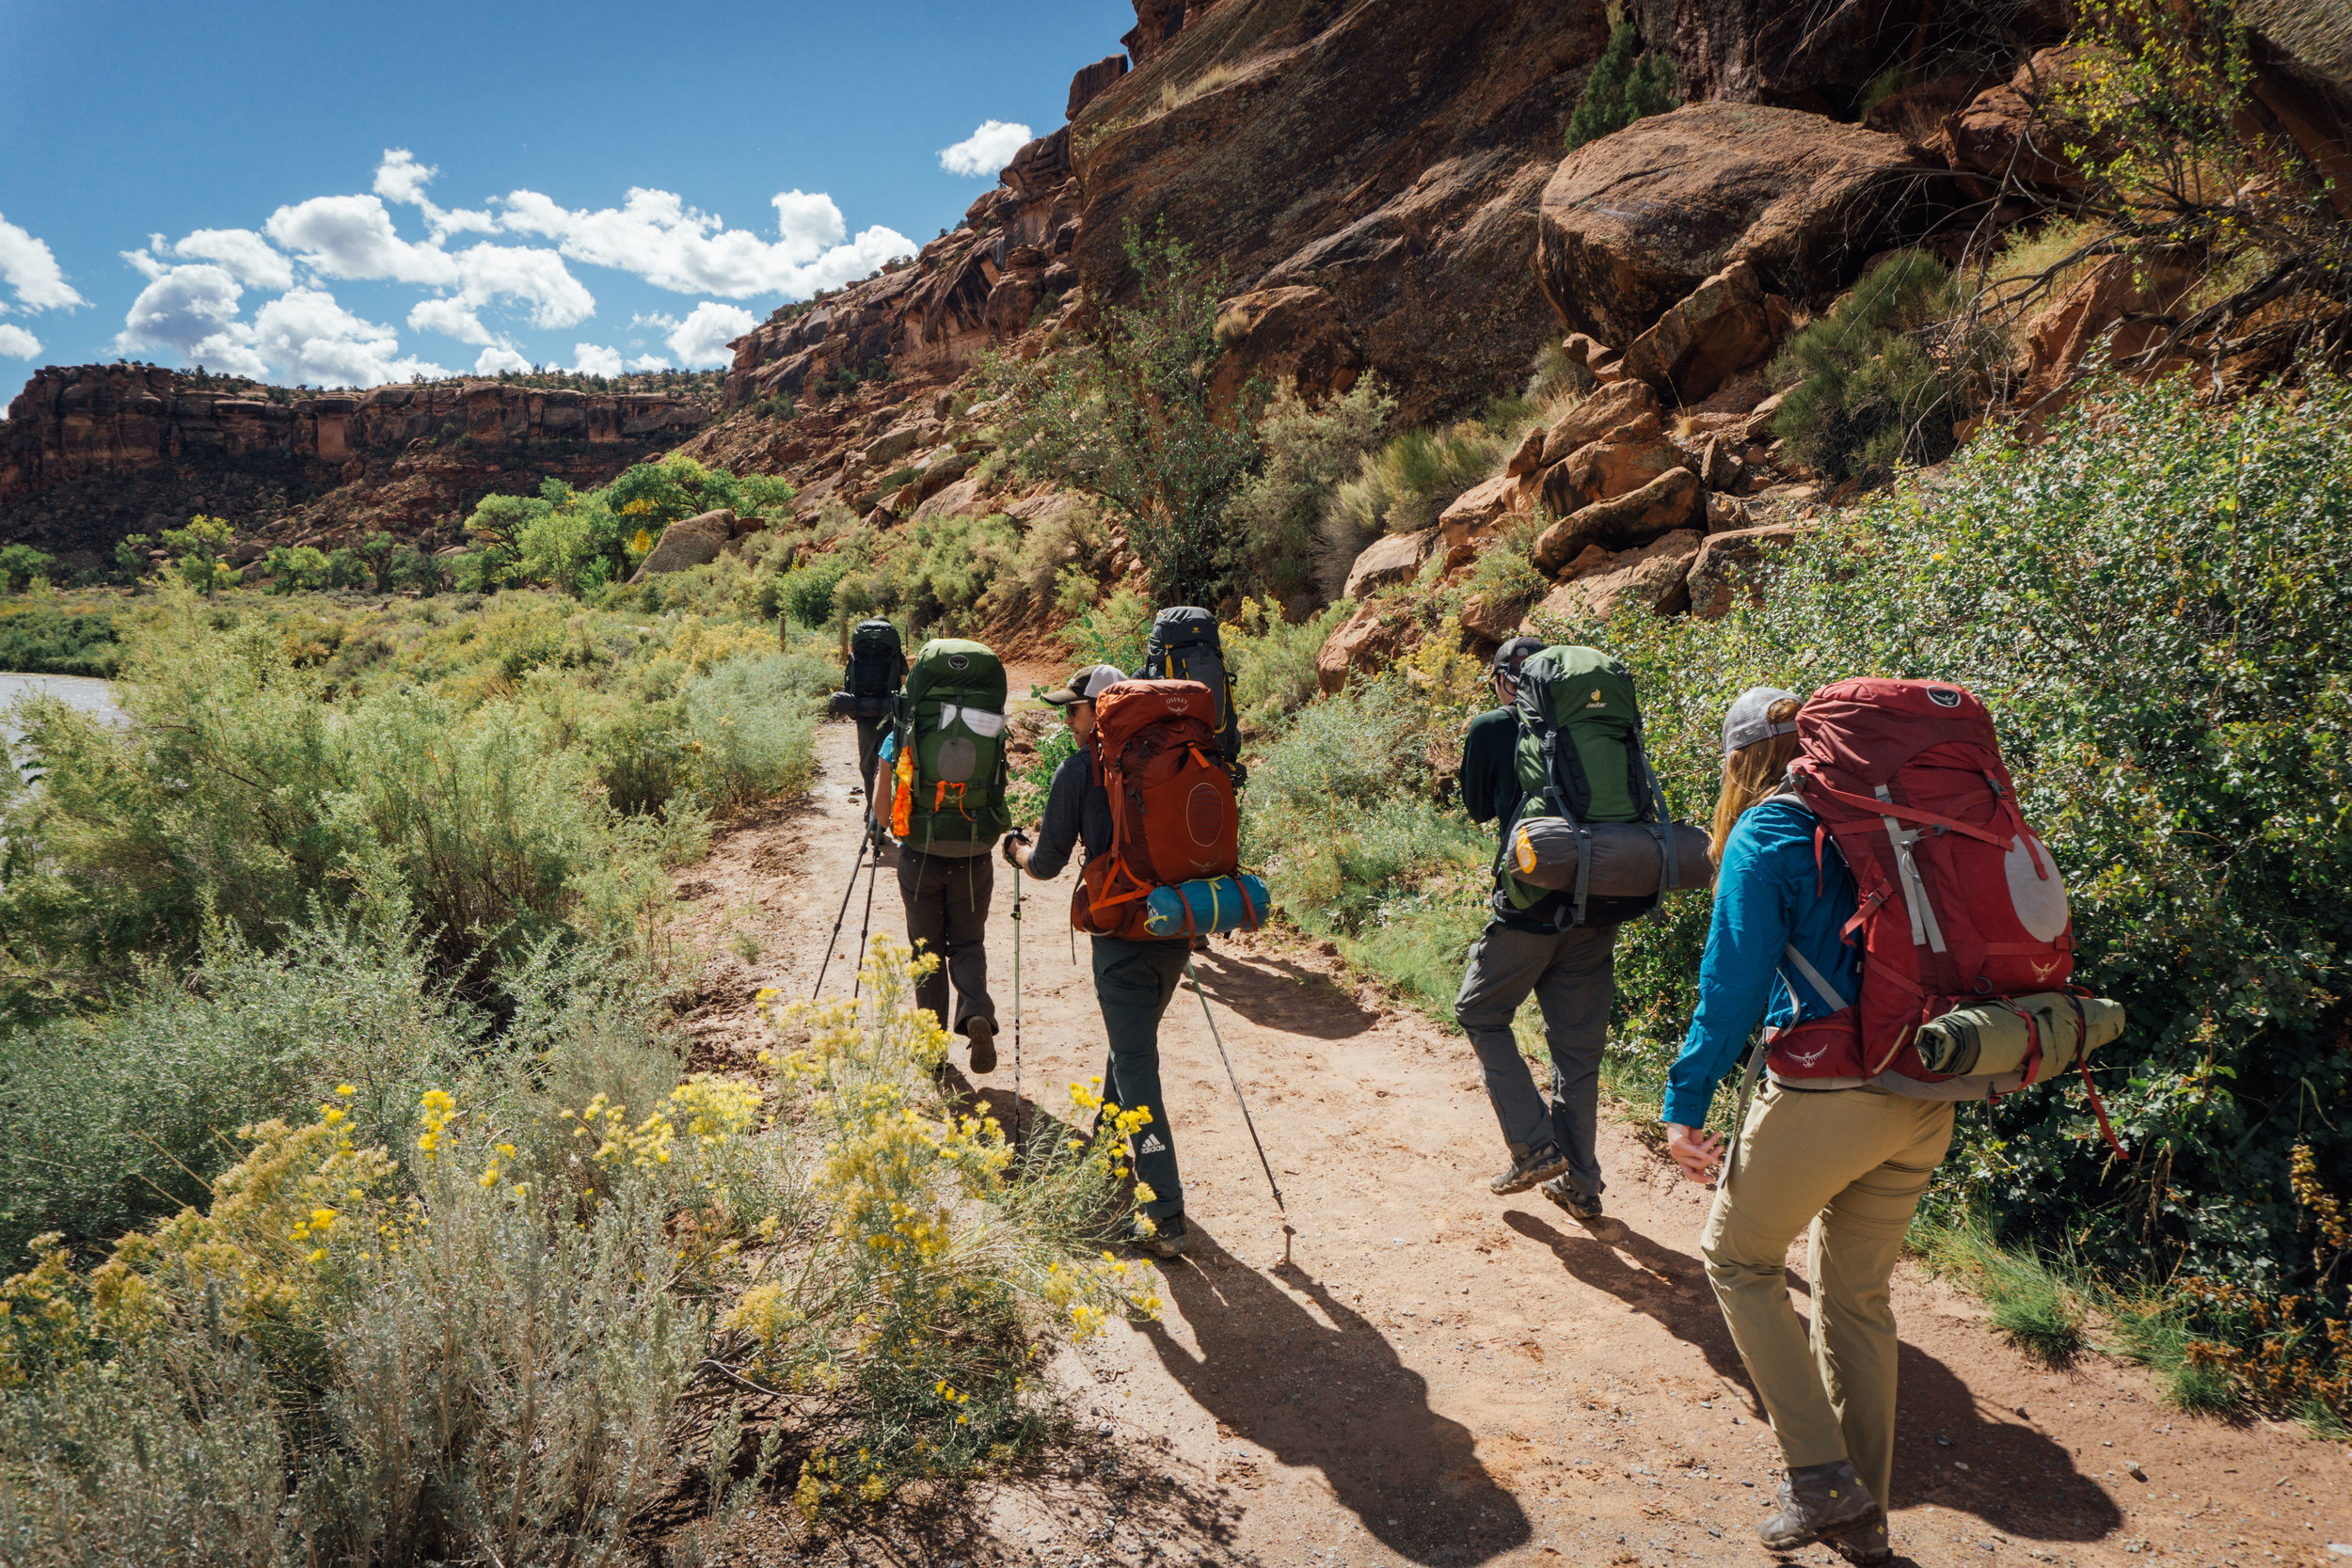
1553, 795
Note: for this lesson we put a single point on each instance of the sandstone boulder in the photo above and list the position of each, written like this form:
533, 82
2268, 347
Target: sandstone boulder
1651, 576
1704, 340
1636, 221
1721, 467
2060, 337
1293, 336
695, 541
1364, 641
1389, 562
1528, 457
1491, 619
1478, 512
1670, 501
1725, 562
2007, 133
1613, 407
1618, 464
1825, 61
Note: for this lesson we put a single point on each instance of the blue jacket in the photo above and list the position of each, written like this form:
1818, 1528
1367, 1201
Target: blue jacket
1765, 902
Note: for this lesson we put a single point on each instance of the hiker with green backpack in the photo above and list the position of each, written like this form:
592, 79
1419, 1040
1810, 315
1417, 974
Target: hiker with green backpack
1587, 845
940, 788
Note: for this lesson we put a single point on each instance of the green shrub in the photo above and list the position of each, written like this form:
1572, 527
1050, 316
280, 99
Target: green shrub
754, 727
1622, 89
1273, 660
806, 592
19, 564
1307, 454
943, 568
1884, 378
1113, 632
54, 639
1400, 489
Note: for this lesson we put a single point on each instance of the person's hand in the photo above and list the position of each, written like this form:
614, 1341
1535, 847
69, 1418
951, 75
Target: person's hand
1699, 1153
1016, 849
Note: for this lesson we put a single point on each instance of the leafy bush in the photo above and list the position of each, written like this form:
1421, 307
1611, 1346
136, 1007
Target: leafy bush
1307, 454
1273, 660
751, 721
1400, 489
54, 640
1884, 378
1622, 89
1113, 632
806, 591
19, 564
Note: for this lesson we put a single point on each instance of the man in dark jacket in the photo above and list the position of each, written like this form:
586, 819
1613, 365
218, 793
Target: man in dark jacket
1133, 980
1570, 972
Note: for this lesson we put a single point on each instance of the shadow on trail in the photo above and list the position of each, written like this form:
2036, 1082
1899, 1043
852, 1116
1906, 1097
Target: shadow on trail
1275, 994
2016, 1477
1329, 1392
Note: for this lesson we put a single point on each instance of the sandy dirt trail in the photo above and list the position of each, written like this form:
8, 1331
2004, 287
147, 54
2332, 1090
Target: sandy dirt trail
1423, 1374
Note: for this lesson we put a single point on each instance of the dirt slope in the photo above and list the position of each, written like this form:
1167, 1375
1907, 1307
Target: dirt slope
1422, 1373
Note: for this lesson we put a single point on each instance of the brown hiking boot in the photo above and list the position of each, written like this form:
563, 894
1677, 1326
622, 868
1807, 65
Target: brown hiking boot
1867, 1546
984, 1035
1820, 1502
1540, 1164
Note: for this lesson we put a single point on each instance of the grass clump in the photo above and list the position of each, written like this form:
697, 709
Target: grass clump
2031, 1303
43, 638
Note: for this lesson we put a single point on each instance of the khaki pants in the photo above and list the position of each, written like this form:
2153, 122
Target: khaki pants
1852, 1164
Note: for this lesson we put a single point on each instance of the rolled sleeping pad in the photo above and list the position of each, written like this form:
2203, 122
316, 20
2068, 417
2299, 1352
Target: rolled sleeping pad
1625, 857
1991, 1038
1214, 904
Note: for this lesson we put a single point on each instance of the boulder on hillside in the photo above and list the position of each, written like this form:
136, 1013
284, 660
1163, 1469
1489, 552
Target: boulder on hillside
2060, 336
1636, 221
1670, 501
1293, 336
695, 541
1706, 337
1478, 511
1385, 562
1362, 642
1651, 576
2006, 133
1491, 619
1725, 562
1621, 462
1613, 407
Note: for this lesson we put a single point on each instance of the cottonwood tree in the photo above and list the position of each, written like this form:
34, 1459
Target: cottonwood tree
1126, 415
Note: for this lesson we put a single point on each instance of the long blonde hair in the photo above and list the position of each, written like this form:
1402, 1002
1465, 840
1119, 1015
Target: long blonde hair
1751, 773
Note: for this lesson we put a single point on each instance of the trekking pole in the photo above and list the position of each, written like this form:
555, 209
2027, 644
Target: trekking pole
1246, 1120
843, 915
866, 923
1016, 1007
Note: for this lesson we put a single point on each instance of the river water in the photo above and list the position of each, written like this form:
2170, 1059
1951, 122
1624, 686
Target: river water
82, 691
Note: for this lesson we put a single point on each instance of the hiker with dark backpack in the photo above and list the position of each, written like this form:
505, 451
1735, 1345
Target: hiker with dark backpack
1552, 928
1881, 906
1186, 646
877, 668
1153, 805
940, 788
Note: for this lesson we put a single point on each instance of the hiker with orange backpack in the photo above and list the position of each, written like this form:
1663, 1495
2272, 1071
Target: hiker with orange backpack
1883, 908
1149, 796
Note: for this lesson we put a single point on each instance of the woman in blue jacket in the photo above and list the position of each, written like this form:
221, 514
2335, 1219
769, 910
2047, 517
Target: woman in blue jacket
1843, 1157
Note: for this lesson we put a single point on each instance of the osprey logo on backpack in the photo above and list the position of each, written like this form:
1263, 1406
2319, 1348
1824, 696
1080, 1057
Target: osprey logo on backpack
1943, 696
959, 661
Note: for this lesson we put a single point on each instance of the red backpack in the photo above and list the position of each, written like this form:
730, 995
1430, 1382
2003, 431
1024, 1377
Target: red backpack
1959, 900
1174, 818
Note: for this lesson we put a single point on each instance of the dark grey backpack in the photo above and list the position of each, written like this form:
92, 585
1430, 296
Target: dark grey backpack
1184, 646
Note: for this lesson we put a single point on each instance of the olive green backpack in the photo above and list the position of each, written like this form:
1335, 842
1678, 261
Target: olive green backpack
1580, 757
951, 747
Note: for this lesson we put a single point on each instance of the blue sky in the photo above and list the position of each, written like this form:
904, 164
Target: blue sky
353, 194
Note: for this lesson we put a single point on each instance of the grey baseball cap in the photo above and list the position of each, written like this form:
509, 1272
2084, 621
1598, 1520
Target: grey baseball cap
1084, 686
1745, 725
1512, 653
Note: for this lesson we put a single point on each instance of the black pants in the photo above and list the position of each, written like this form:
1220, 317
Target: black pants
869, 740
946, 898
1133, 981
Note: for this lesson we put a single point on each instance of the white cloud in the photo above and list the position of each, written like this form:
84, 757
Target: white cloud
451, 318
28, 268
649, 362
655, 235
662, 319
587, 358
702, 338
352, 236
306, 337
401, 179
190, 311
17, 344
493, 272
497, 358
986, 151
243, 254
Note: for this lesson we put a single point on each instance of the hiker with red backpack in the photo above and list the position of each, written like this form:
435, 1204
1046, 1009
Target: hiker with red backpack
1904, 937
1149, 794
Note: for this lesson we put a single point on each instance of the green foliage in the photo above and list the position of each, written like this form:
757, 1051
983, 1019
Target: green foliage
578, 541
1127, 415
200, 552
1113, 632
52, 640
944, 566
1273, 660
2035, 1305
1882, 378
1307, 452
19, 564
1626, 84
1400, 488
806, 592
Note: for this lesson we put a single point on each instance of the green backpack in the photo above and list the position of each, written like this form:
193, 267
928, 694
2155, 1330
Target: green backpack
1580, 757
951, 747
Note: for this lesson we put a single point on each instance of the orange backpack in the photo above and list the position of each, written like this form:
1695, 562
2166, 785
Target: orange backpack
1173, 815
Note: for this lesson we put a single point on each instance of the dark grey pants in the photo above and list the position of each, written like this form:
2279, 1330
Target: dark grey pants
946, 898
869, 740
1573, 976
1133, 981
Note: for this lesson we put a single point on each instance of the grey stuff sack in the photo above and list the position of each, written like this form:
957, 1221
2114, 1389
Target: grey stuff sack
1542, 851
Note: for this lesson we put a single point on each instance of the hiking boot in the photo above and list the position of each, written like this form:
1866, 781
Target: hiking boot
1867, 1546
983, 1034
1820, 1502
1564, 1191
1165, 1239
1540, 1164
